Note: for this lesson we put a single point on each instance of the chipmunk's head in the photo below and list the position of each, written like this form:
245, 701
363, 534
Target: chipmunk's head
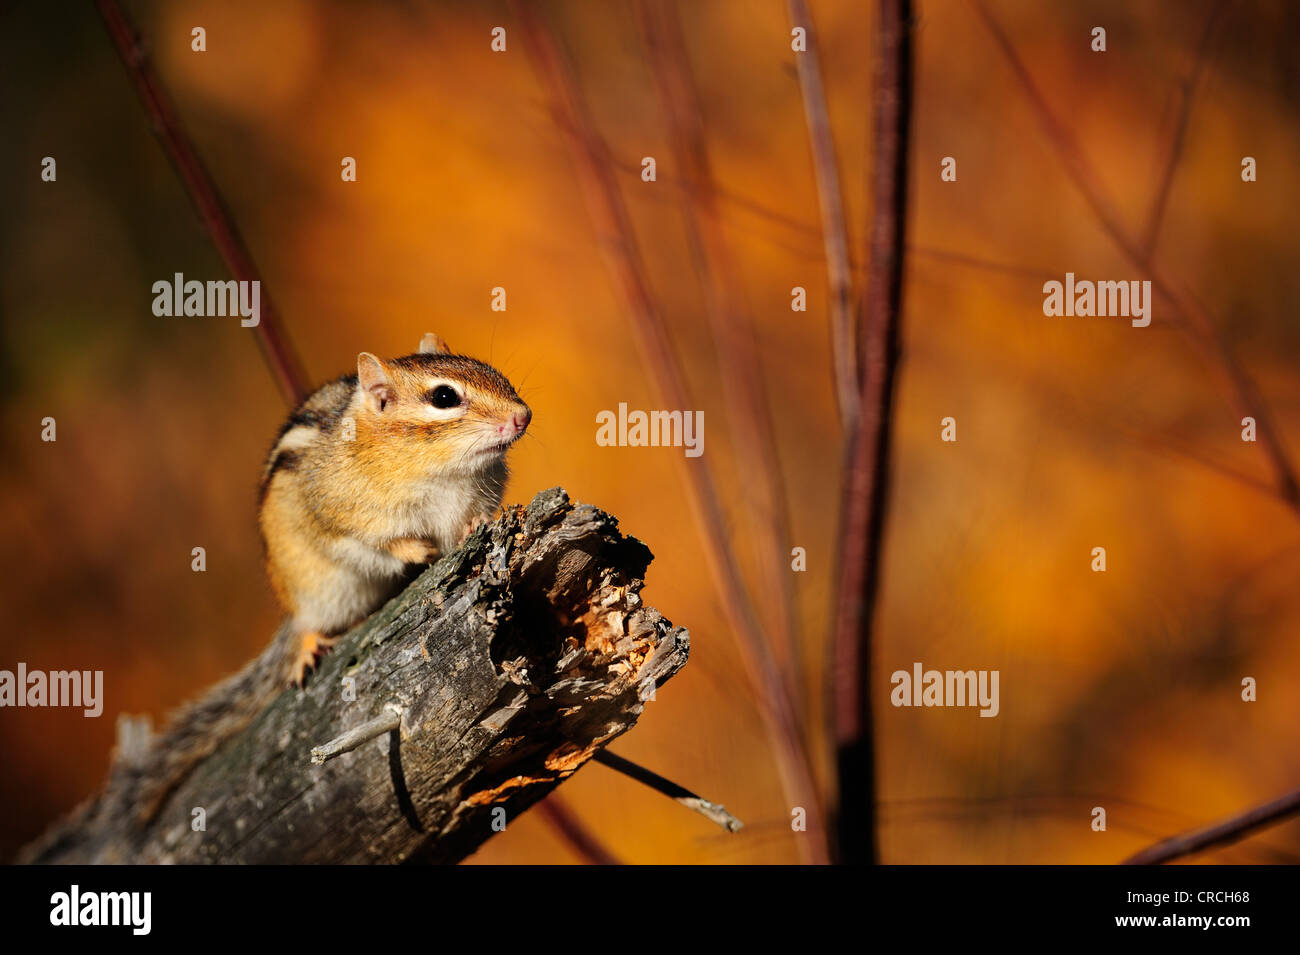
449, 412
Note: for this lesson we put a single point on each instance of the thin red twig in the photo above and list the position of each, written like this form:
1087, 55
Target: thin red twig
867, 470
1187, 96
575, 833
739, 365
1223, 833
839, 270
284, 363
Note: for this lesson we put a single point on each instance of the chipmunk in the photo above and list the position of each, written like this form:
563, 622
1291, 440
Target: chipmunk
392, 466
376, 471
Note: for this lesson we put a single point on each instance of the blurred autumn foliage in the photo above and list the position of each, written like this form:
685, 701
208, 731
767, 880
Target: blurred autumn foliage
1118, 689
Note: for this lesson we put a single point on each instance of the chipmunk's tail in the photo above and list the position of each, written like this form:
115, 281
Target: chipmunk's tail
200, 727
146, 771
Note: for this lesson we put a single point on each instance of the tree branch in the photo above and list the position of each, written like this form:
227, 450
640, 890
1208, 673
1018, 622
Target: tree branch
512, 661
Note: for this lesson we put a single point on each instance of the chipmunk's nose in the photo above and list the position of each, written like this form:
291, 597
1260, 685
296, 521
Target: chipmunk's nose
521, 418
517, 422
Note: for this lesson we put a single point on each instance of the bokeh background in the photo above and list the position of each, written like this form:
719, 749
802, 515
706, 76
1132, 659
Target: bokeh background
1119, 690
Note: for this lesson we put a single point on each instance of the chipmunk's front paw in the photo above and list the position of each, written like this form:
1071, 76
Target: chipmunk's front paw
312, 645
413, 550
473, 525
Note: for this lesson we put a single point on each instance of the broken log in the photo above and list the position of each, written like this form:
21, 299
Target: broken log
505, 667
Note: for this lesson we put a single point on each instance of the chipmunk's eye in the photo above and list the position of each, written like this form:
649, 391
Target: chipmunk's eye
444, 396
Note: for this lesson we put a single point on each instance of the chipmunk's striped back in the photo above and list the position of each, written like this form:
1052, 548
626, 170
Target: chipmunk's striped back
320, 414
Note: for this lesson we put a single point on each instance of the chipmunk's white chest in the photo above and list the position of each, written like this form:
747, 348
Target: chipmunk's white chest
442, 509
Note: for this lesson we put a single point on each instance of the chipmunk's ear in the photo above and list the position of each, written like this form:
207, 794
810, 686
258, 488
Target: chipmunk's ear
432, 344
376, 385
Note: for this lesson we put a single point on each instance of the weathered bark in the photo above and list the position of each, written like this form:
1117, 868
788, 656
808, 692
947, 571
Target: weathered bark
512, 661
